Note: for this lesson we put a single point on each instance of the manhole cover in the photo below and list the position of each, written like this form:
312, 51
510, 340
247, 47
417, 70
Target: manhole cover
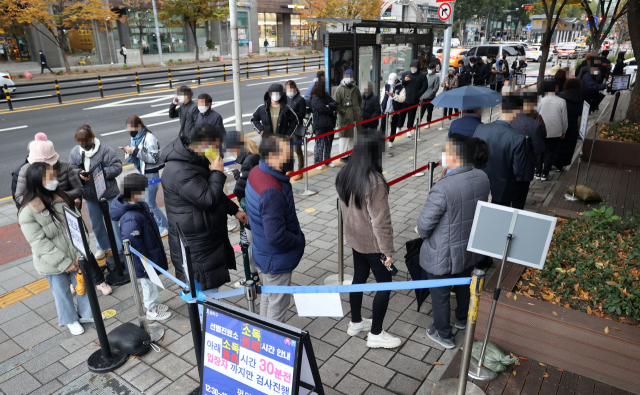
103, 384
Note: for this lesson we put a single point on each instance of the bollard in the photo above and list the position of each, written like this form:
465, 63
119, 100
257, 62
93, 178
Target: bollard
117, 278
460, 386
389, 133
247, 69
250, 295
106, 358
319, 63
415, 152
170, 83
198, 75
224, 71
419, 120
8, 97
268, 67
340, 278
155, 331
304, 62
432, 168
100, 86
307, 191
287, 65
58, 92
137, 82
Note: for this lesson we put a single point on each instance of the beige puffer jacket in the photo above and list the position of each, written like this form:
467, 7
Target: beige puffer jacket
51, 247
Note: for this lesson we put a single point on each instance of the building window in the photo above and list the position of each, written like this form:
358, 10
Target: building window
172, 39
79, 42
14, 45
299, 31
268, 28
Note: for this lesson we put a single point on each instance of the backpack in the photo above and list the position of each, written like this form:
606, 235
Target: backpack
14, 183
121, 52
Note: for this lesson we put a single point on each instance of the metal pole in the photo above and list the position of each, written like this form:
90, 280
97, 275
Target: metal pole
415, 149
235, 61
137, 82
268, 68
287, 65
477, 282
224, 71
490, 114
307, 191
58, 92
340, 278
100, 86
615, 105
446, 46
389, 132
170, 83
250, 295
8, 97
304, 63
155, 18
419, 120
117, 278
595, 136
573, 197
198, 75
432, 168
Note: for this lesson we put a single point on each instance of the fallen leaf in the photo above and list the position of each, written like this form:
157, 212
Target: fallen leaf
95, 344
438, 363
515, 297
533, 285
610, 282
541, 364
562, 370
185, 326
545, 375
616, 328
16, 364
509, 294
606, 330
531, 304
588, 309
514, 372
554, 313
517, 363
523, 358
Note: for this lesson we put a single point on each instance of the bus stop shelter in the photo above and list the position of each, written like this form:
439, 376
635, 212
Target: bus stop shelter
376, 48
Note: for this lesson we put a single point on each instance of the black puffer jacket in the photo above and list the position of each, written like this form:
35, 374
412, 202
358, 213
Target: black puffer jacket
370, 109
188, 114
323, 117
247, 162
298, 105
287, 122
194, 199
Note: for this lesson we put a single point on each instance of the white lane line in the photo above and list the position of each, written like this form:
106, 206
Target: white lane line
13, 128
232, 118
104, 80
271, 82
233, 123
126, 130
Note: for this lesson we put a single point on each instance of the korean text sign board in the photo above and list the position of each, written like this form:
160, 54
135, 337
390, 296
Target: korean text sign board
99, 182
76, 231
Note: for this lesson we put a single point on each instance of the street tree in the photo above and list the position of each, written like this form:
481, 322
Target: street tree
350, 9
633, 113
608, 17
193, 13
136, 17
59, 17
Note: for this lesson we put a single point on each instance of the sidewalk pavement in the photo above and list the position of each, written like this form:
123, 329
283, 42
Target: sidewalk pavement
39, 357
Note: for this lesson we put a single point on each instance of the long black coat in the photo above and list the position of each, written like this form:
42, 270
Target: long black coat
370, 109
324, 118
194, 199
247, 162
575, 102
415, 87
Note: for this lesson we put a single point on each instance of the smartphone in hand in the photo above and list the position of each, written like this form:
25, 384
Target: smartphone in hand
391, 268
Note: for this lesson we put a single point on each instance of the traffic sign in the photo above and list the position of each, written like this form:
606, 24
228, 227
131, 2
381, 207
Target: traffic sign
444, 11
528, 27
583, 16
595, 19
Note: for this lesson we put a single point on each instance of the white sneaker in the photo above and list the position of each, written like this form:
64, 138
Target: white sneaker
73, 289
100, 254
158, 315
105, 288
75, 328
383, 340
161, 307
364, 325
390, 144
416, 230
408, 134
331, 165
164, 233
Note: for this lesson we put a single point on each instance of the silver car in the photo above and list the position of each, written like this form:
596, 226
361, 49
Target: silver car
5, 79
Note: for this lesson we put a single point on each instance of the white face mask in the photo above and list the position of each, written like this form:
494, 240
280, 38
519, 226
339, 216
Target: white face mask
180, 99
203, 109
430, 71
444, 163
472, 64
51, 185
414, 70
596, 72
275, 96
291, 94
348, 80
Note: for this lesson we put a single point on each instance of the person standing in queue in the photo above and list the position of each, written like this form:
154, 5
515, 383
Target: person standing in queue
349, 105
370, 106
480, 77
433, 80
299, 106
364, 202
278, 241
192, 182
42, 221
472, 70
572, 94
324, 121
464, 78
445, 226
553, 110
208, 115
188, 111
274, 116
450, 82
416, 85
395, 95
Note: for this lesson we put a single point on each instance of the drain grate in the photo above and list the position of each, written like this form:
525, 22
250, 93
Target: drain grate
103, 384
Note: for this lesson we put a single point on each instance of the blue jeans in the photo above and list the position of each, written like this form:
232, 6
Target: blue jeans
207, 293
99, 230
67, 312
150, 199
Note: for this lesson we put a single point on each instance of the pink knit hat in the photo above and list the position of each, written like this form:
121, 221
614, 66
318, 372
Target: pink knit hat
41, 150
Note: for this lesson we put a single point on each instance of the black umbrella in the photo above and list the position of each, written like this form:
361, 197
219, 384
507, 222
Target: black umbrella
412, 260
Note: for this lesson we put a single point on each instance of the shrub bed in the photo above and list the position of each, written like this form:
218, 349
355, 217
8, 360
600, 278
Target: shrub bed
592, 266
623, 130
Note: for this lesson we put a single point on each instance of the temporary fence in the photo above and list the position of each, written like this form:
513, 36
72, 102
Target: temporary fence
96, 85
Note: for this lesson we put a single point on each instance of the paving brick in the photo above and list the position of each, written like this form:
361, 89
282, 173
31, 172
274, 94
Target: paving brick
131, 362
179, 323
352, 385
182, 345
169, 337
21, 384
400, 303
381, 356
48, 312
353, 349
420, 336
3, 337
48, 389
409, 366
320, 326
181, 386
36, 335
402, 329
402, 384
45, 359
336, 337
322, 350
79, 356
135, 371
157, 387
172, 366
11, 373
152, 357
416, 318
333, 370
433, 355
426, 388
414, 350
21, 323
372, 372
146, 380
51, 372
9, 349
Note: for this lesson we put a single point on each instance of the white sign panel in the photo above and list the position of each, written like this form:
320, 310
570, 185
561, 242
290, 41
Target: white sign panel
98, 181
184, 261
75, 233
151, 272
319, 305
584, 121
620, 82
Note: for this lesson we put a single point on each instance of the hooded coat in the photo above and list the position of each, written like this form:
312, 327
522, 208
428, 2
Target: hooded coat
247, 161
349, 104
68, 181
194, 199
287, 121
139, 226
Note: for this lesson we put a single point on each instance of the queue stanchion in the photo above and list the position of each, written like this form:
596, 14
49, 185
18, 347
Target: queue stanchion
340, 278
389, 132
250, 295
460, 385
118, 277
432, 168
307, 191
415, 148
106, 359
155, 331
418, 123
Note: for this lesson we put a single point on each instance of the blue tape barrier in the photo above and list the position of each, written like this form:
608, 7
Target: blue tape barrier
369, 287
199, 294
158, 268
227, 294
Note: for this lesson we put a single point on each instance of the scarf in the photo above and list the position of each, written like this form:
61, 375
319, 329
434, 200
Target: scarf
89, 154
135, 141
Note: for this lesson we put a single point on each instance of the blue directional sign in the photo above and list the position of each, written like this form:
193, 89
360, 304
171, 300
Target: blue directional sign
528, 27
595, 18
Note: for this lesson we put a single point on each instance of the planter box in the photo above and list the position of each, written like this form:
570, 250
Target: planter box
613, 151
572, 340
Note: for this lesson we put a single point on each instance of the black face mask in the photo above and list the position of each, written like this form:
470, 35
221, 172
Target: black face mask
288, 165
87, 147
133, 133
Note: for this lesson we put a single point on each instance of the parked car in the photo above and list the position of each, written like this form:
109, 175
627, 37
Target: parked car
631, 67
5, 79
534, 53
496, 49
570, 51
455, 42
455, 54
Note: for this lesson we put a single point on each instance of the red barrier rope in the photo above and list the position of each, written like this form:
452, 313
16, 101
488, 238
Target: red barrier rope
404, 177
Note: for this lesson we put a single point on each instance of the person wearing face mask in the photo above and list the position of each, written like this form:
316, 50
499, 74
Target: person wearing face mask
590, 86
370, 106
278, 241
416, 85
324, 122
472, 70
433, 80
275, 116
188, 111
480, 77
349, 104
192, 182
83, 157
42, 221
299, 106
144, 154
206, 114
450, 82
464, 78
445, 226
393, 101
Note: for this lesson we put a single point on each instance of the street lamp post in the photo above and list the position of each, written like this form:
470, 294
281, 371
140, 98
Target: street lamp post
155, 18
108, 43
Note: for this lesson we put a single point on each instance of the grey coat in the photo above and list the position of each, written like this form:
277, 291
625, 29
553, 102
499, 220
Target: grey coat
445, 221
67, 178
111, 165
